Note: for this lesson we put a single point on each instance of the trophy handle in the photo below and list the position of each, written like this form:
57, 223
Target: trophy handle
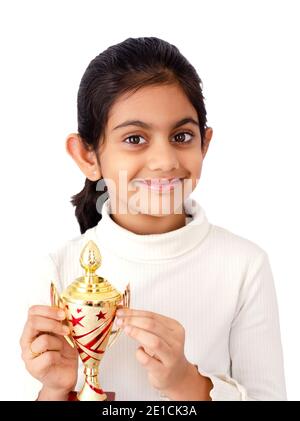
115, 333
56, 301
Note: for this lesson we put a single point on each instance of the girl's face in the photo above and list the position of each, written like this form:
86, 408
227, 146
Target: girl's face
152, 134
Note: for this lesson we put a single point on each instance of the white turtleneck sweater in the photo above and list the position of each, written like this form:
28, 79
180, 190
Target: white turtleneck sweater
218, 285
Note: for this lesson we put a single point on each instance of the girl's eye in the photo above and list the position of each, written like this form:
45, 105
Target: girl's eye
184, 133
179, 137
135, 140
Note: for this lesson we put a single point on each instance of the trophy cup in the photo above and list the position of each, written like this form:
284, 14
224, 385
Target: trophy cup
90, 304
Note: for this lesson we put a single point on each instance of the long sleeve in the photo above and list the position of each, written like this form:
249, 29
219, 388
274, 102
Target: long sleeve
257, 368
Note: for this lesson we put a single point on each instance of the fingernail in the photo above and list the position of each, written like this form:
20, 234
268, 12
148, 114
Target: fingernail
120, 312
119, 322
61, 314
66, 330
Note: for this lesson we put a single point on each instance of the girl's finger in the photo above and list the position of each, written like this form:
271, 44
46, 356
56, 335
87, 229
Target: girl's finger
37, 324
150, 324
44, 343
152, 342
167, 321
47, 311
150, 363
40, 365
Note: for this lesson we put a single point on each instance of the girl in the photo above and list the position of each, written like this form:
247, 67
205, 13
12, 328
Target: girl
203, 323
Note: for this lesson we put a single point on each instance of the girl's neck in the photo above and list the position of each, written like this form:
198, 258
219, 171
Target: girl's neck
148, 224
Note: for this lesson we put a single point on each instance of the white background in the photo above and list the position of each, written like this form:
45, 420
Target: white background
247, 55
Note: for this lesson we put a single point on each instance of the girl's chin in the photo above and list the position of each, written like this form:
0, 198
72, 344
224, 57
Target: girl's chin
159, 211
154, 205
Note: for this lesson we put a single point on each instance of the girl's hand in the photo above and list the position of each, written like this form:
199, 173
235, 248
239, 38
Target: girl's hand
47, 355
162, 346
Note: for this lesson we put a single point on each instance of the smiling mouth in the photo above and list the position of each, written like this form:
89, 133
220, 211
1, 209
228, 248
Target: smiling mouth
160, 185
159, 180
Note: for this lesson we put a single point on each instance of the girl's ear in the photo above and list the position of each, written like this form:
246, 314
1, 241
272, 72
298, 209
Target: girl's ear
207, 139
84, 158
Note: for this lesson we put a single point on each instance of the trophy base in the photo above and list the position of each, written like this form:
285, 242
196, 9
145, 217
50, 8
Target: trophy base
73, 396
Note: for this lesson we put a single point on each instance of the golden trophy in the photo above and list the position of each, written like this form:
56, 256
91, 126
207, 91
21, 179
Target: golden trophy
90, 304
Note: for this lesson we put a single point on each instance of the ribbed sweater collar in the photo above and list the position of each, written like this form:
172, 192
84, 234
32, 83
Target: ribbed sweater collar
145, 247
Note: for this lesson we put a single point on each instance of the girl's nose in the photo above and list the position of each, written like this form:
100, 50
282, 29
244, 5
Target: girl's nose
162, 156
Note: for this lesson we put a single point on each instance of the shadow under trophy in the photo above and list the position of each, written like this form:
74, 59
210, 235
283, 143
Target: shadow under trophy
90, 304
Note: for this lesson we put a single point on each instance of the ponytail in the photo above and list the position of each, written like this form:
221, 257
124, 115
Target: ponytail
86, 209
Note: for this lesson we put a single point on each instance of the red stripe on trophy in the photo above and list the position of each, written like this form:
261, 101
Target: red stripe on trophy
93, 341
96, 351
95, 389
82, 336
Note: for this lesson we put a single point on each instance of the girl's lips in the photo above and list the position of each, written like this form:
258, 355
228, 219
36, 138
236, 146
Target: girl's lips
163, 186
161, 181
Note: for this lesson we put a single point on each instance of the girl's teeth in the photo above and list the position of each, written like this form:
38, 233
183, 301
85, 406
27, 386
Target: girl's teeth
157, 182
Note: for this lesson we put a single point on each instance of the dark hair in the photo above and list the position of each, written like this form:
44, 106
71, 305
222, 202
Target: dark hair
126, 67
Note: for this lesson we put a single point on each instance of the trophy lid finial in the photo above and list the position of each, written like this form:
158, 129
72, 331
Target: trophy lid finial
91, 289
90, 258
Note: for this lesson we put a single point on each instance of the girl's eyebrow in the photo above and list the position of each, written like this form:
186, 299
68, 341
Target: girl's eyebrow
149, 126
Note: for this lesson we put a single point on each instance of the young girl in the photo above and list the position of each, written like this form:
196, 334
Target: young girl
203, 322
